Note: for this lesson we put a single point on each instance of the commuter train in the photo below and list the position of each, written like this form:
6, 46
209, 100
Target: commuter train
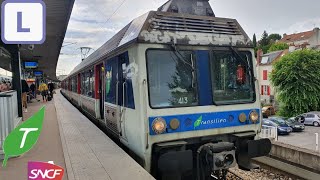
178, 88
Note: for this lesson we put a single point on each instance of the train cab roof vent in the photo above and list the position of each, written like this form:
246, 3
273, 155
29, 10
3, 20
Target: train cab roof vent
195, 24
192, 7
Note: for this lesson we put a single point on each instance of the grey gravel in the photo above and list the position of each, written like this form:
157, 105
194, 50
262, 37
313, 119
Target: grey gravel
256, 174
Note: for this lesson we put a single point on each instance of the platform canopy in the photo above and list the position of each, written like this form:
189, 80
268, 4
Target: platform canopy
57, 17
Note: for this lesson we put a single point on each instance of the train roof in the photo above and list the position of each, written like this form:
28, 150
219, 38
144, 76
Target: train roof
159, 27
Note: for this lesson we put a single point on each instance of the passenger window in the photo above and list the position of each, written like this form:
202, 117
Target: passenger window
128, 88
83, 92
87, 81
114, 77
91, 91
111, 74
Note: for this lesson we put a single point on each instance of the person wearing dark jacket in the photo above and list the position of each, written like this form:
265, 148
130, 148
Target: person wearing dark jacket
33, 89
25, 90
51, 88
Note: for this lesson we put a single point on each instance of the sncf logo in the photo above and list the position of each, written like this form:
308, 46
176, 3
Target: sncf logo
44, 171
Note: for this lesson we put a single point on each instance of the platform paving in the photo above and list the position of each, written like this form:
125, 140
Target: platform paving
48, 147
73, 142
89, 153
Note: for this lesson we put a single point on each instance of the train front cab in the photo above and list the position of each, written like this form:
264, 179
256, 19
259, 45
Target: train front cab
202, 112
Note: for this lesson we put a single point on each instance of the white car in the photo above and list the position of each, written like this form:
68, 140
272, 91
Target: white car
312, 118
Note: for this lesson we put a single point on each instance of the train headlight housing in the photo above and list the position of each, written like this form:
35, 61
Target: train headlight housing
254, 116
159, 125
174, 124
242, 117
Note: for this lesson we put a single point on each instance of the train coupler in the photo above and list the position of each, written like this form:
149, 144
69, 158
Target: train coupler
215, 158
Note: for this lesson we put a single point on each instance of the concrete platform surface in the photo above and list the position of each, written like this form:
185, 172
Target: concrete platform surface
48, 147
89, 153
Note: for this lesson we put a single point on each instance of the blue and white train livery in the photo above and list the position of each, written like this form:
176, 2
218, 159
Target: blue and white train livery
178, 88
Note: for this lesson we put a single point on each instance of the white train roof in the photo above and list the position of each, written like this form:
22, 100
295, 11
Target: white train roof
158, 27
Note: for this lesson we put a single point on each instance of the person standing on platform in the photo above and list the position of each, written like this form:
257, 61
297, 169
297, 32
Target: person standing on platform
51, 88
25, 90
33, 90
43, 88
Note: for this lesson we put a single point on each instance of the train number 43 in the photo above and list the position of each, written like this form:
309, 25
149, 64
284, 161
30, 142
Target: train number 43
183, 100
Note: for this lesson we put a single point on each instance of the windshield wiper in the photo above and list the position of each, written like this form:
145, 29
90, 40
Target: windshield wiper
235, 52
181, 58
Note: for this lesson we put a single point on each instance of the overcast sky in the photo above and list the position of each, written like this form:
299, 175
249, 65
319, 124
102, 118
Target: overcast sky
92, 22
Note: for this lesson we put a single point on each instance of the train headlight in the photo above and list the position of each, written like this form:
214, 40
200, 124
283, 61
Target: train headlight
159, 125
242, 117
174, 124
254, 116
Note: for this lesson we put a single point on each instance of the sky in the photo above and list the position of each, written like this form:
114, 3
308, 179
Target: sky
93, 22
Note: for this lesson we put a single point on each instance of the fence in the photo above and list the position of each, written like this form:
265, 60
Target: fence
269, 132
9, 118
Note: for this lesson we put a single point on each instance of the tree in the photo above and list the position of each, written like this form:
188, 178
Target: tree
296, 78
274, 37
264, 39
264, 42
278, 46
254, 39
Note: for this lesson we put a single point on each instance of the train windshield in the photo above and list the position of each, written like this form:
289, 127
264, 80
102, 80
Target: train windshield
231, 75
171, 78
173, 81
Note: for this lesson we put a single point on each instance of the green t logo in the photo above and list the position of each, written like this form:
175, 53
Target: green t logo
24, 137
197, 123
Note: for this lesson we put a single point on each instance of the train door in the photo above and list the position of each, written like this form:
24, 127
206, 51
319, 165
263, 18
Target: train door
99, 86
122, 94
112, 108
125, 91
118, 94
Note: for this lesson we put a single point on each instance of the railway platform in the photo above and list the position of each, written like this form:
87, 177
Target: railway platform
73, 142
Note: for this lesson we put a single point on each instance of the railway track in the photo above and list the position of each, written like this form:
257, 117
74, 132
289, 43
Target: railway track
273, 169
234, 175
257, 174
289, 169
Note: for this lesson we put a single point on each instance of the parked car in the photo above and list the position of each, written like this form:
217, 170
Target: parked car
280, 121
282, 129
268, 111
295, 124
311, 118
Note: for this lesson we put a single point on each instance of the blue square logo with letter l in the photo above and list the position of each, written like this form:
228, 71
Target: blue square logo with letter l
23, 22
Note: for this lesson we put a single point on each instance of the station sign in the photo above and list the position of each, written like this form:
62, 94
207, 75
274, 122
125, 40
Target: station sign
38, 73
30, 65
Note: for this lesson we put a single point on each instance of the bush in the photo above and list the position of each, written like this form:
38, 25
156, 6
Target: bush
278, 46
296, 78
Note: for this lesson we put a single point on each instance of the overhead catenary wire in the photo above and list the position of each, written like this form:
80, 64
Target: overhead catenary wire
102, 14
115, 11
